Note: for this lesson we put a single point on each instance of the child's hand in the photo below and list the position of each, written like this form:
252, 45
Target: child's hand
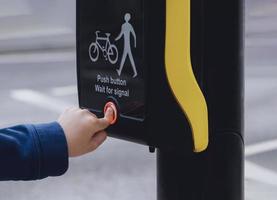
83, 130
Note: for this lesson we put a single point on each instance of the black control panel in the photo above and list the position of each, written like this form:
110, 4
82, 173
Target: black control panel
121, 59
111, 64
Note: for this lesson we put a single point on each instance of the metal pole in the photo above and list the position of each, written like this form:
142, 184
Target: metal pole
218, 173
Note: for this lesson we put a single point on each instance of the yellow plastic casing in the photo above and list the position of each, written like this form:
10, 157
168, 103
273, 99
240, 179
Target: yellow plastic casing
180, 74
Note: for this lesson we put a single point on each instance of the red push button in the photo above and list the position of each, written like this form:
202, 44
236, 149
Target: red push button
113, 107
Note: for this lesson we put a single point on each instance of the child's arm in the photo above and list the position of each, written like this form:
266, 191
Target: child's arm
30, 152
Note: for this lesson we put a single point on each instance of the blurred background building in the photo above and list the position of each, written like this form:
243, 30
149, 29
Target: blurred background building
38, 80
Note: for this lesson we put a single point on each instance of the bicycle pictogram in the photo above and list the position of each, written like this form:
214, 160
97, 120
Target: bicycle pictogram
104, 45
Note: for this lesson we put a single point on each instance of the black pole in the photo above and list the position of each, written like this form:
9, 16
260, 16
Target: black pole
218, 173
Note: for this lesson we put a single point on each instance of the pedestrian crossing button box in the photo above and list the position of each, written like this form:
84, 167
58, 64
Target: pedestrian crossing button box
139, 61
110, 42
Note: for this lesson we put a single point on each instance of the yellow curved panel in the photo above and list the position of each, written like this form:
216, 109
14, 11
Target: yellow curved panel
180, 73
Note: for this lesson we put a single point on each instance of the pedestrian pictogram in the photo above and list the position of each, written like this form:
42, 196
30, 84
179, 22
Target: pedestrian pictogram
126, 31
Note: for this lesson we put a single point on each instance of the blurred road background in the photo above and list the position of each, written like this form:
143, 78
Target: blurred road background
38, 80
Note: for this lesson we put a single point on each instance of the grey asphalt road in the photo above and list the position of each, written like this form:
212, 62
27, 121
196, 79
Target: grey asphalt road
35, 87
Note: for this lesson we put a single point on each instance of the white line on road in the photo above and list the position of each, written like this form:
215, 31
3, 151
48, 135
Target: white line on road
261, 147
39, 57
40, 100
64, 91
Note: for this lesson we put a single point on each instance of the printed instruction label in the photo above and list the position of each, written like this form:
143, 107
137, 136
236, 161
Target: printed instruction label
110, 86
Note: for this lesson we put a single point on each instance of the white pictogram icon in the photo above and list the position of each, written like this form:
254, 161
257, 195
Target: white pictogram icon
109, 50
126, 31
104, 45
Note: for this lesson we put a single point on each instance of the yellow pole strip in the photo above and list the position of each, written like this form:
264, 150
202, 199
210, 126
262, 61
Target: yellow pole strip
180, 73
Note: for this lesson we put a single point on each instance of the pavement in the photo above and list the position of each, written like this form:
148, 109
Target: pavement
36, 86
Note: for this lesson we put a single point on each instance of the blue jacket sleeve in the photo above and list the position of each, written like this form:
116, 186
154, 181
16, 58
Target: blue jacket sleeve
31, 152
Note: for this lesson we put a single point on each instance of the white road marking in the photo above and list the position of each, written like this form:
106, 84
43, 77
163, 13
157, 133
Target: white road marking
261, 147
40, 100
39, 57
260, 174
64, 91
